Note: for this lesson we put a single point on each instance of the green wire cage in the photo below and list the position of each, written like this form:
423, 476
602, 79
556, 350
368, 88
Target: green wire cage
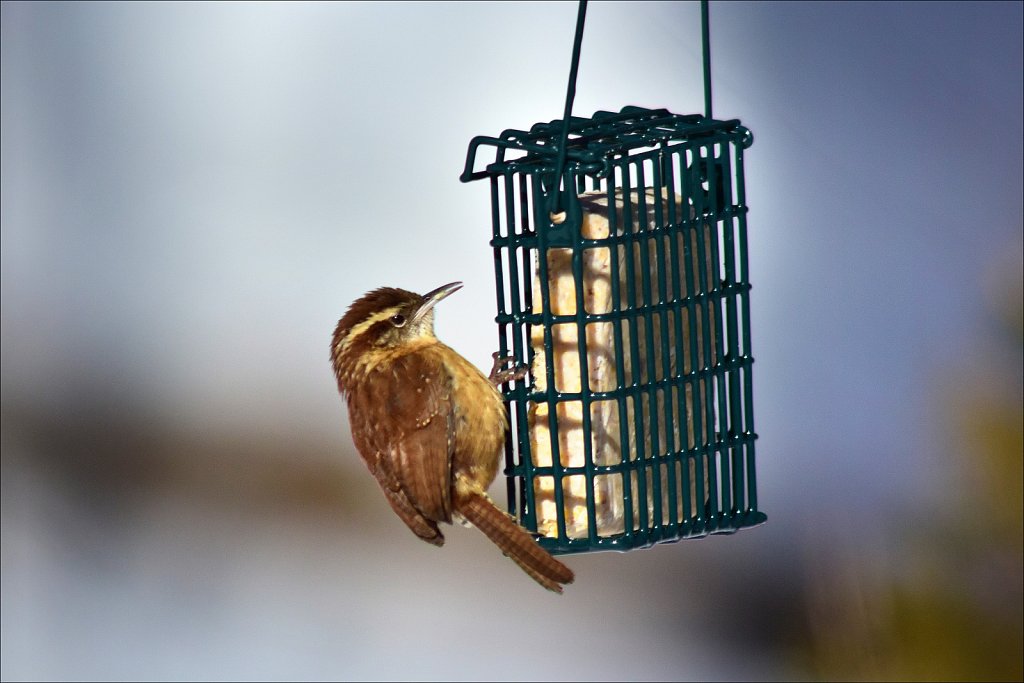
620, 251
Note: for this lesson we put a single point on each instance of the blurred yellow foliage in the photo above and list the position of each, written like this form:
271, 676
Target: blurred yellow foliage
950, 606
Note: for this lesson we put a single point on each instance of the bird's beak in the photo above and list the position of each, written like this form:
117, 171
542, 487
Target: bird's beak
430, 299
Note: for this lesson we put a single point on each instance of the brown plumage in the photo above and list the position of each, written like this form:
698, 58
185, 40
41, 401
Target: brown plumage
428, 424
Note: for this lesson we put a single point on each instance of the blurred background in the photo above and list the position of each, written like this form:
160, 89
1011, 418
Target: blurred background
192, 194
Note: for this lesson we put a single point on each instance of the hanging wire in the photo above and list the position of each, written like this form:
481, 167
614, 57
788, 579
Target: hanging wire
706, 46
570, 95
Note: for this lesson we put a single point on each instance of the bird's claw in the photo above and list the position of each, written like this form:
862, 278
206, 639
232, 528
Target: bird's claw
501, 374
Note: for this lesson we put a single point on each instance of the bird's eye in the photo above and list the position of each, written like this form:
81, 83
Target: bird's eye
398, 320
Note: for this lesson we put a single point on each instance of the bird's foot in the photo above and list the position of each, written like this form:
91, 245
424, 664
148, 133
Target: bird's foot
500, 373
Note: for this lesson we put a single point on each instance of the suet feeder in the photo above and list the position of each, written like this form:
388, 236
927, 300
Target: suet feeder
620, 252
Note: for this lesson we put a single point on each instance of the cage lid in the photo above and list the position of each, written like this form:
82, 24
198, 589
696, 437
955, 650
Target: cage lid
594, 142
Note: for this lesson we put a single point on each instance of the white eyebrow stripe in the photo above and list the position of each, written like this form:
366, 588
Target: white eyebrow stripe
362, 327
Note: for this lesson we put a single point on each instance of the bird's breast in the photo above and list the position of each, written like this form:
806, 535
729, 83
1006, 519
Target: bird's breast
480, 420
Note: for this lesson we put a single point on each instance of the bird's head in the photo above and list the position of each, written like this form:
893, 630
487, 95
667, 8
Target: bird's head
381, 321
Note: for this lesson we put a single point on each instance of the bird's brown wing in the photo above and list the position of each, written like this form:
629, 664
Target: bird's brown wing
405, 434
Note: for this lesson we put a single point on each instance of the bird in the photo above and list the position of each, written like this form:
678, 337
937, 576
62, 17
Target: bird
428, 424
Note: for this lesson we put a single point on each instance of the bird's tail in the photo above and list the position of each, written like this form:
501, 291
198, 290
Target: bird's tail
514, 541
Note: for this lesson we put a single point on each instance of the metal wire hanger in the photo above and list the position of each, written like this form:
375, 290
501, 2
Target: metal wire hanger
555, 212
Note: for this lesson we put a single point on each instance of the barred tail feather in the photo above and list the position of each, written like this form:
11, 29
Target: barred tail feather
514, 541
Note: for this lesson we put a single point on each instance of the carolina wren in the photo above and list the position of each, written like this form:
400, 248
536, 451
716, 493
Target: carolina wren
428, 424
